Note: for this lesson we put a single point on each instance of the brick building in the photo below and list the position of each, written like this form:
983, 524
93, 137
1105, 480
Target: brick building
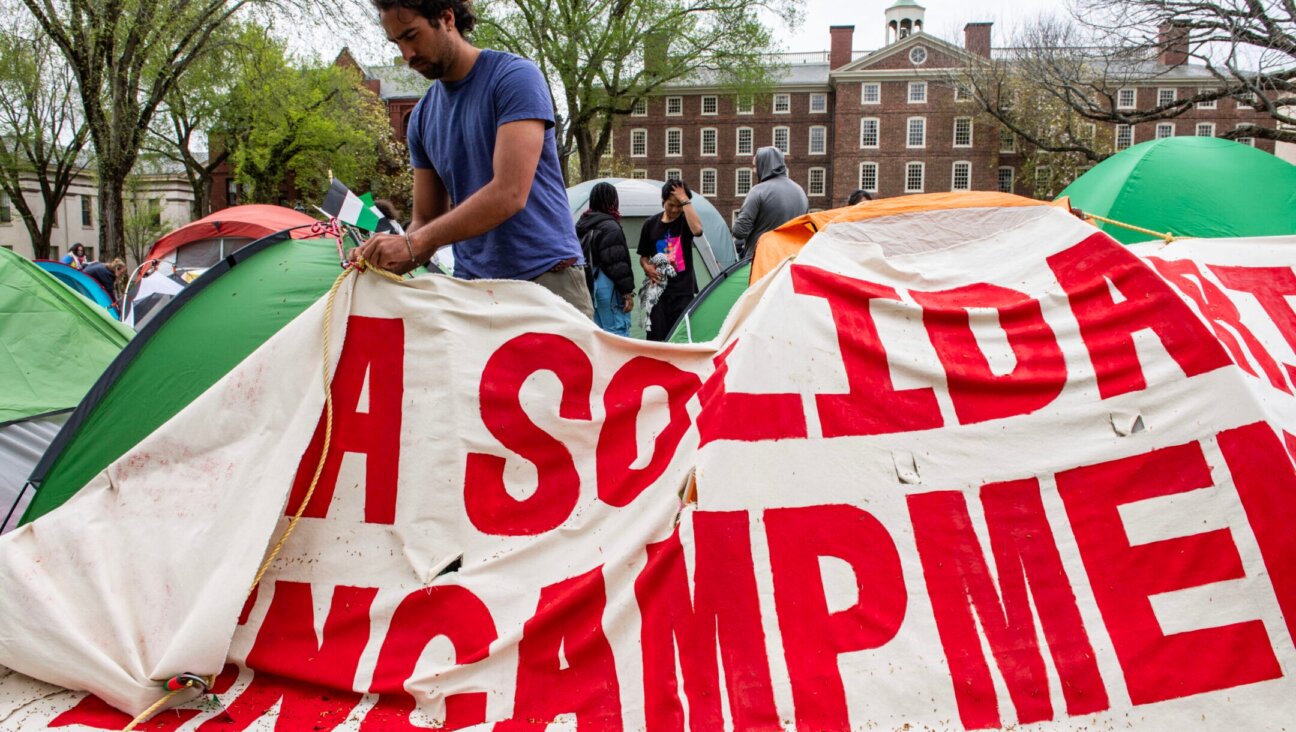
889, 120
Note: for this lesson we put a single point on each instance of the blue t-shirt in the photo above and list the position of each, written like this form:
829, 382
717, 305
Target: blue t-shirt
452, 131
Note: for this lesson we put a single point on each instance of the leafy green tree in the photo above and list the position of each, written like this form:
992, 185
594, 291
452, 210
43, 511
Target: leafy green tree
602, 56
42, 135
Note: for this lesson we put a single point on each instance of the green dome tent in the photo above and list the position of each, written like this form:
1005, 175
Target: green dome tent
1205, 187
702, 320
54, 343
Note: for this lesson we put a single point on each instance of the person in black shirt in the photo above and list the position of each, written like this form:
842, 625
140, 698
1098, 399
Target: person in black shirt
670, 235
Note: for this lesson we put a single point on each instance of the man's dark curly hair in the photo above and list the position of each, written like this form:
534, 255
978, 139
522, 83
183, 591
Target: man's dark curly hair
464, 16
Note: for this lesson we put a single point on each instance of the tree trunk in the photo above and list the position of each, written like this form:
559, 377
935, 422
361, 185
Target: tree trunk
112, 218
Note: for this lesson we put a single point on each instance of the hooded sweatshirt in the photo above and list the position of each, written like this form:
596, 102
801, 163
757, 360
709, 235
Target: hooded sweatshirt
769, 204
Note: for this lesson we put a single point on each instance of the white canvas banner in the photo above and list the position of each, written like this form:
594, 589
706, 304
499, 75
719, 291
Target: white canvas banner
971, 468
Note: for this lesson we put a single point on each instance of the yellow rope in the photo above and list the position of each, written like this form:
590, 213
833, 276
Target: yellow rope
359, 266
1168, 237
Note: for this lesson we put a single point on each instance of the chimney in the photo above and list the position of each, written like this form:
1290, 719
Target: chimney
976, 38
840, 51
1172, 39
655, 46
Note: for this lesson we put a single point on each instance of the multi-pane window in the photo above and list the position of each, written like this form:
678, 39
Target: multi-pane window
640, 108
962, 176
782, 103
870, 93
1164, 130
917, 132
817, 182
962, 132
868, 177
674, 106
745, 104
6, 212
1165, 96
962, 93
1205, 129
674, 174
869, 132
710, 105
742, 181
1088, 130
1126, 99
1247, 102
639, 174
709, 178
781, 139
605, 172
914, 177
638, 143
818, 140
710, 141
674, 142
1124, 136
917, 92
1007, 141
87, 211
818, 103
1244, 140
1209, 103
745, 144
1005, 179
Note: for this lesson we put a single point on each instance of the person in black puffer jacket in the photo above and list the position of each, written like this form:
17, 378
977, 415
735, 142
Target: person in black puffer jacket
607, 258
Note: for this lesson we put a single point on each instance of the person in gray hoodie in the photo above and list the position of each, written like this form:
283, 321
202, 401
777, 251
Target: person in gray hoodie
769, 204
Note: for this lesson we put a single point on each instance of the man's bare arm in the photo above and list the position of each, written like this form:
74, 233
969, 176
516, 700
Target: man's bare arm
431, 200
517, 153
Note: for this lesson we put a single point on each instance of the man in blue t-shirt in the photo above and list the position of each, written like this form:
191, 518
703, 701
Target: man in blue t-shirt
486, 174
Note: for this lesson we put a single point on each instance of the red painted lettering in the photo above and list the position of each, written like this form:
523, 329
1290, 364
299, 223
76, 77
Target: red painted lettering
487, 502
375, 347
1107, 327
724, 610
1271, 286
1158, 666
959, 582
813, 637
729, 415
94, 712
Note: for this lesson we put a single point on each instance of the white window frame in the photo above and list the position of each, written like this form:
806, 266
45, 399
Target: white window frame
751, 140
1197, 129
640, 108
1120, 98
810, 140
787, 139
784, 100
672, 174
823, 182
1162, 91
714, 187
702, 142
954, 175
751, 181
877, 132
744, 104
1117, 137
962, 93
715, 105
968, 120
1012, 179
868, 164
643, 142
1246, 105
1007, 141
1088, 130
921, 88
922, 174
1168, 127
1209, 104
675, 101
1244, 140
823, 99
639, 174
679, 138
864, 95
909, 130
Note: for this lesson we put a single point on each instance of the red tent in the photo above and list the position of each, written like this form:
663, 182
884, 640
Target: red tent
229, 229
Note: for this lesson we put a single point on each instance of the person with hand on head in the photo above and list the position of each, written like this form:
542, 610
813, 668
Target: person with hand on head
607, 260
670, 236
486, 172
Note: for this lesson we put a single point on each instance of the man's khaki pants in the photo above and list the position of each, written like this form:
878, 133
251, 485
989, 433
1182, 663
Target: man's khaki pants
569, 284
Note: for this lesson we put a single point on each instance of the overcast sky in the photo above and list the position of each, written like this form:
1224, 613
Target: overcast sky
945, 19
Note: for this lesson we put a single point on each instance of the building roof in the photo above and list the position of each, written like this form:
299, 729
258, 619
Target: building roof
398, 81
797, 69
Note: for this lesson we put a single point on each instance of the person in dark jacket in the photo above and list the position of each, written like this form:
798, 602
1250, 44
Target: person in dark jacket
107, 275
608, 274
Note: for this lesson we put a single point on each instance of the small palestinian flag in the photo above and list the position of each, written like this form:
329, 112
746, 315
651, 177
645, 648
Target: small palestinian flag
357, 211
